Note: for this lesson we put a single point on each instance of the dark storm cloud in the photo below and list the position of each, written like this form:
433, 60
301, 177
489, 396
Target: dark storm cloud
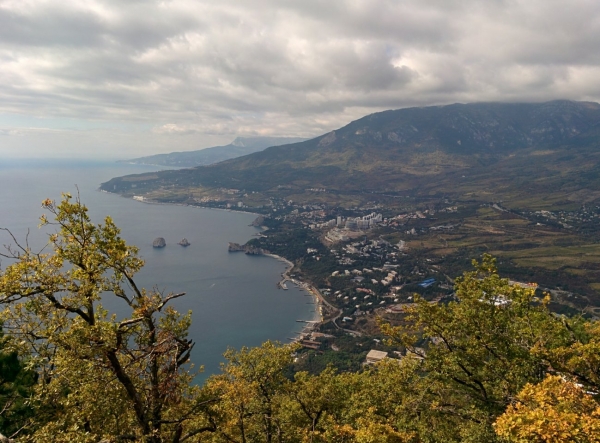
217, 69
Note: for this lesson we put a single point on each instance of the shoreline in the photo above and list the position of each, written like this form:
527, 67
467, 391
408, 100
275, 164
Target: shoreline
152, 202
318, 317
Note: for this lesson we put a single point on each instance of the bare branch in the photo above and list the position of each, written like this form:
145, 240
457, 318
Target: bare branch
130, 322
169, 298
77, 311
9, 249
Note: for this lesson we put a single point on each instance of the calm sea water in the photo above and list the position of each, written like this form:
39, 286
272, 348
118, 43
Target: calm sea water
233, 297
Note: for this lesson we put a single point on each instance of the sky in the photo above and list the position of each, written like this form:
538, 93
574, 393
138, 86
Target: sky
121, 79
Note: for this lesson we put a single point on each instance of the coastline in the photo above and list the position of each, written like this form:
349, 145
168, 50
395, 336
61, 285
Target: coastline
152, 202
243, 308
318, 317
167, 167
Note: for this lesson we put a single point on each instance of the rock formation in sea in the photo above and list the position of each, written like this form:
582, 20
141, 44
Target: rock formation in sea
246, 249
159, 242
184, 242
259, 221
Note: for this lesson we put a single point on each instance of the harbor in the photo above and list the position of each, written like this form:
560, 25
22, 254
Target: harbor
323, 307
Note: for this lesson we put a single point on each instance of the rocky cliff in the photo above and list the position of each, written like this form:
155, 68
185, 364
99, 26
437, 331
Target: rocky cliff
246, 249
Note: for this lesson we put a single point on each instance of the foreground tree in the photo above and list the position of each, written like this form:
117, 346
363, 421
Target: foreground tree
553, 411
481, 350
100, 377
258, 403
251, 392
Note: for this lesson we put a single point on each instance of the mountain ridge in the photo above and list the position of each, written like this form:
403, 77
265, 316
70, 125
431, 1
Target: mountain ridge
430, 150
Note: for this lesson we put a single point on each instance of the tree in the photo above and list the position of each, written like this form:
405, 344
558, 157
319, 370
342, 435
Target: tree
16, 382
553, 411
251, 390
257, 403
481, 349
376, 405
99, 376
577, 354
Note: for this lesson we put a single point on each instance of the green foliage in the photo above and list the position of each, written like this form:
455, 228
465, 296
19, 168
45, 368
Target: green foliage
258, 404
483, 348
54, 312
344, 361
16, 383
553, 411
250, 393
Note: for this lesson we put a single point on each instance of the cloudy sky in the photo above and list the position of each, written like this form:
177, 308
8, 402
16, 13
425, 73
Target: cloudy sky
123, 78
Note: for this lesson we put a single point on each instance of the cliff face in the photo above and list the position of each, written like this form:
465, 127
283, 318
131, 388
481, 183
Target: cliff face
246, 249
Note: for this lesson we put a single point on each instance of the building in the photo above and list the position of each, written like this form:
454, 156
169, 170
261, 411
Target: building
351, 225
375, 356
427, 283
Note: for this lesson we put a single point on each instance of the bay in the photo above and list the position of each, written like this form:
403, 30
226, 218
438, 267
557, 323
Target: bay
233, 296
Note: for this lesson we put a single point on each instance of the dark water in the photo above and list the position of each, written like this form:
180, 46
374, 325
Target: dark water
234, 298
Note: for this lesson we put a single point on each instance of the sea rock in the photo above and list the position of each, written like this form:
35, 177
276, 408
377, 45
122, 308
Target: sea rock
159, 242
184, 242
260, 220
235, 247
246, 249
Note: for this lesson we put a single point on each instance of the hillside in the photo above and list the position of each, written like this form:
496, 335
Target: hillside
489, 151
240, 146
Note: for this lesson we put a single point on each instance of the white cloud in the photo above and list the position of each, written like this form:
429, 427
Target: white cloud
172, 128
207, 71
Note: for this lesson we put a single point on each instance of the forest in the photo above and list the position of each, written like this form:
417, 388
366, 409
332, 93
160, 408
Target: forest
494, 364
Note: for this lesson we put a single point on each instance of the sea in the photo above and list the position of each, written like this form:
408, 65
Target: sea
234, 298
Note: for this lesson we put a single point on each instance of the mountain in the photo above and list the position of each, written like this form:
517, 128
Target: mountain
486, 151
240, 146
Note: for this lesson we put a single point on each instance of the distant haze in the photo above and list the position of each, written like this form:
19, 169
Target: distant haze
239, 147
114, 79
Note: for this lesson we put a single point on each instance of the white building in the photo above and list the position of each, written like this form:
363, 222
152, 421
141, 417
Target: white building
375, 356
